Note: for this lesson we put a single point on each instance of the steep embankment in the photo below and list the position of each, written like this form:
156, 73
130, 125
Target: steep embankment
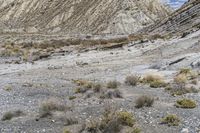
185, 19
79, 16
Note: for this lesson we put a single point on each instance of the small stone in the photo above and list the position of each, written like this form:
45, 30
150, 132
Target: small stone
184, 130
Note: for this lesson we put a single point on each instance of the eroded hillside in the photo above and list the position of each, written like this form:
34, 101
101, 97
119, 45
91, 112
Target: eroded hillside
184, 20
79, 16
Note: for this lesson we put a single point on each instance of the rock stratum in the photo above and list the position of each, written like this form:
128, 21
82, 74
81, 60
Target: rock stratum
79, 16
185, 19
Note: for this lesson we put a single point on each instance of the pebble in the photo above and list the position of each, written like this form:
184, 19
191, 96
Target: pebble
184, 130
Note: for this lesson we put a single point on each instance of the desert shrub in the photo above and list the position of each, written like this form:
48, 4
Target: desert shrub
66, 130
72, 97
112, 84
111, 122
185, 71
109, 94
69, 121
152, 78
85, 83
171, 120
125, 118
180, 79
144, 101
97, 87
180, 89
8, 88
194, 82
81, 90
132, 80
158, 84
135, 130
52, 104
11, 114
185, 103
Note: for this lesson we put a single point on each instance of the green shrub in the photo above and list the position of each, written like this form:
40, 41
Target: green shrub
171, 120
185, 103
125, 118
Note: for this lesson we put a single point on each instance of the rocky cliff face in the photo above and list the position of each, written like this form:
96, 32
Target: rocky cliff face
185, 19
79, 16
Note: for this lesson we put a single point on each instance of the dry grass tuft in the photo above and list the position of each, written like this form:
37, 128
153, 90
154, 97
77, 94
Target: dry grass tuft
132, 80
11, 114
112, 84
144, 101
52, 104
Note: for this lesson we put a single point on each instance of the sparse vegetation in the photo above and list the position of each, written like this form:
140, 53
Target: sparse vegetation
185, 103
97, 87
50, 105
158, 84
185, 71
144, 101
8, 88
135, 130
151, 78
112, 84
11, 114
109, 94
72, 97
132, 80
111, 121
171, 120
180, 79
66, 130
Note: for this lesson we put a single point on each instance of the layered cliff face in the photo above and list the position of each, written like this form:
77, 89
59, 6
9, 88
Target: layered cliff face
185, 19
79, 16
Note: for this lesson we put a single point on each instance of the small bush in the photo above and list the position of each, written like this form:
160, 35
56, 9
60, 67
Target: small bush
185, 71
185, 103
180, 79
125, 118
109, 94
112, 84
11, 114
152, 78
171, 120
135, 130
144, 101
158, 84
50, 105
81, 90
72, 97
84, 83
97, 87
194, 82
66, 131
132, 80
111, 122
180, 89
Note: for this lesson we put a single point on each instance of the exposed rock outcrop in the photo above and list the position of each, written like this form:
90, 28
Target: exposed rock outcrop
79, 16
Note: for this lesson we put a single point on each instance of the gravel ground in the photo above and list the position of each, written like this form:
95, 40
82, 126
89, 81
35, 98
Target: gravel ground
25, 86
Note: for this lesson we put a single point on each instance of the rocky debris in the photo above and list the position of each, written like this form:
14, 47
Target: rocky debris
182, 22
